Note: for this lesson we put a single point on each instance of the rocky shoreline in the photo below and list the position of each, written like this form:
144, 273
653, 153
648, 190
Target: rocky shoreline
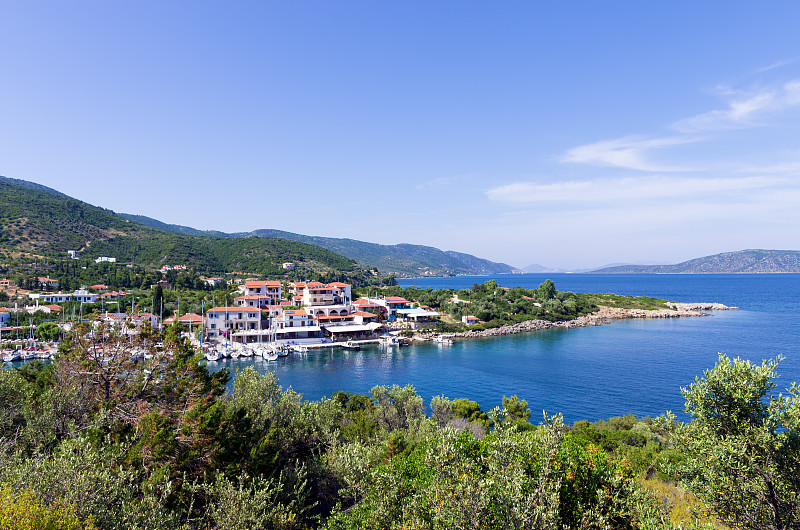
604, 315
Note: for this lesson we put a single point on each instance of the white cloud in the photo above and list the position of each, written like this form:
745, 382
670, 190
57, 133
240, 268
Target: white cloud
778, 64
744, 112
628, 189
628, 152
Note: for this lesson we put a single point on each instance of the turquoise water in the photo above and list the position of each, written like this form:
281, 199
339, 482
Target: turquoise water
587, 373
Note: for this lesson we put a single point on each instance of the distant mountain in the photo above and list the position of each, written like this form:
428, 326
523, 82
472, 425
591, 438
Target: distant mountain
39, 221
403, 259
535, 268
728, 262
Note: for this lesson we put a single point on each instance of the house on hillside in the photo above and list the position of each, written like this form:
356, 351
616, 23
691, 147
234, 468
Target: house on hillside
46, 283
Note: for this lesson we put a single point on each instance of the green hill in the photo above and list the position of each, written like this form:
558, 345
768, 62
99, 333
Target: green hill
39, 221
403, 259
740, 261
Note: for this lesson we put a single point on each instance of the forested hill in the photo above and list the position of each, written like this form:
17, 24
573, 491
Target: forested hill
403, 259
39, 221
741, 261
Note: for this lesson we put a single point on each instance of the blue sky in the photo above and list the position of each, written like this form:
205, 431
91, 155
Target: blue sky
571, 134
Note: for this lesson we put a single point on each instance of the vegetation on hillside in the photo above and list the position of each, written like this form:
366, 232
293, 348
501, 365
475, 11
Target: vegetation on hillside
113, 442
39, 223
402, 259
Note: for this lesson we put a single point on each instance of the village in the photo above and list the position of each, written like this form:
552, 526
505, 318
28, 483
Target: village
264, 317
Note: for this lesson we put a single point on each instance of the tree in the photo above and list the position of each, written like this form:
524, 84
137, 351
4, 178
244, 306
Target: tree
48, 330
742, 447
546, 291
516, 409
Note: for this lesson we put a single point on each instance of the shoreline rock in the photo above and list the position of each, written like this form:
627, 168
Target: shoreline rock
702, 306
604, 315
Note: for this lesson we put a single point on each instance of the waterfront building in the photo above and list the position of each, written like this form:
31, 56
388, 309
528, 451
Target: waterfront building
224, 321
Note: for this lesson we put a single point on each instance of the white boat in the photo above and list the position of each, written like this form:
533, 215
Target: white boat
273, 356
11, 356
388, 340
442, 340
211, 356
351, 345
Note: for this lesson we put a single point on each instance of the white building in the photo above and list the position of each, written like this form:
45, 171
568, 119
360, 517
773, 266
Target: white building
51, 298
106, 259
82, 295
226, 321
269, 291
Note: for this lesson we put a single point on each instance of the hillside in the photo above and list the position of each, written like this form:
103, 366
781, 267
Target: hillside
741, 261
403, 259
39, 221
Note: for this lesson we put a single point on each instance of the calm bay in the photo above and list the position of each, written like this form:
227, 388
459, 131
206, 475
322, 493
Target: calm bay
631, 366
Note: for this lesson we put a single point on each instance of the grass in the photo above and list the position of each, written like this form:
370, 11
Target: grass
628, 302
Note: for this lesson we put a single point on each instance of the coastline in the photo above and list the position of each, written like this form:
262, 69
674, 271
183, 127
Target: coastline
604, 315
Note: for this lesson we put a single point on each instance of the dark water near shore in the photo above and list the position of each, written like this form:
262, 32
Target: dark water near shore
587, 373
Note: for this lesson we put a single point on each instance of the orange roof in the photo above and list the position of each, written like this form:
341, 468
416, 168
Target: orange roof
295, 312
338, 284
224, 309
365, 303
53, 307
253, 297
190, 318
364, 314
262, 283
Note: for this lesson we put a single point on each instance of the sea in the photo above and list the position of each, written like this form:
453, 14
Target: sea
625, 367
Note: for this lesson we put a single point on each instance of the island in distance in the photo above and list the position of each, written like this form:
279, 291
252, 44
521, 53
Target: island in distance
740, 261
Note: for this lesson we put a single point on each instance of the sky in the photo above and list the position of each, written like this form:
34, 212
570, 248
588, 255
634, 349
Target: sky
568, 134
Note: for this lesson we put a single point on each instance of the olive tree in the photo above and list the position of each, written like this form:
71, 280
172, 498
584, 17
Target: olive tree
742, 446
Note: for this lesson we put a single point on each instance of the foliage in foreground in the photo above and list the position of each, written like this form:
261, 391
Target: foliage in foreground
743, 446
120, 443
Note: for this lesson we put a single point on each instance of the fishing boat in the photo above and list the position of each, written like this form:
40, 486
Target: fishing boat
442, 340
351, 345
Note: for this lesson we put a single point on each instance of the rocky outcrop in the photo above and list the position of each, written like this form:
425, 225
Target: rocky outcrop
713, 306
604, 315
